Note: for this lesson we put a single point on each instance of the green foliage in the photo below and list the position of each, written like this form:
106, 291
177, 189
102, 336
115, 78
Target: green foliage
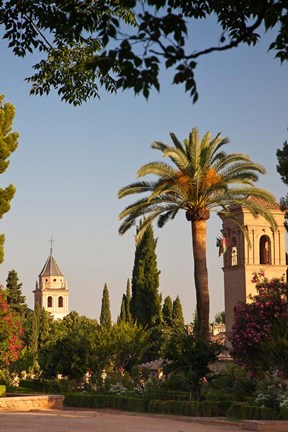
35, 329
177, 313
167, 311
242, 410
8, 144
14, 295
145, 300
118, 345
259, 333
51, 386
69, 347
11, 331
272, 392
190, 357
220, 317
2, 390
282, 167
232, 384
105, 401
105, 315
125, 312
84, 47
201, 179
186, 408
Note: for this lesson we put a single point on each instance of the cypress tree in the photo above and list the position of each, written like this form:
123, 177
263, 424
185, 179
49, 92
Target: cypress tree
122, 317
8, 144
14, 294
45, 322
145, 300
128, 302
125, 313
177, 313
35, 330
105, 316
167, 311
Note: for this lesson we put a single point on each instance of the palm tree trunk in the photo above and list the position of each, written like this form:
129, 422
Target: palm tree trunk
201, 276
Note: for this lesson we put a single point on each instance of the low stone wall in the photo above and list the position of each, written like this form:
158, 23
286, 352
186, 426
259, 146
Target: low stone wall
265, 425
31, 402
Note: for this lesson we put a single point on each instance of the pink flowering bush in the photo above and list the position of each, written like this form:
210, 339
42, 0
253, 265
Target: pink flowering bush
258, 323
10, 333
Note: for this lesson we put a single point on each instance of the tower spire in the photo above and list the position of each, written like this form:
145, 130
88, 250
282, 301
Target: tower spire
51, 244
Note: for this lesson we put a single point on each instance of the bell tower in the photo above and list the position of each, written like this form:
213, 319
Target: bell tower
267, 252
51, 292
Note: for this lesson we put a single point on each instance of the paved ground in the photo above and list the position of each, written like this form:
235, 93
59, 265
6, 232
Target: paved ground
102, 421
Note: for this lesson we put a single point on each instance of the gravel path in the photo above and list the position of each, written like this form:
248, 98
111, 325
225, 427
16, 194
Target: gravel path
101, 421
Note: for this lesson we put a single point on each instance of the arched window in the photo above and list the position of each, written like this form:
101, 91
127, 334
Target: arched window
60, 302
234, 252
265, 255
49, 302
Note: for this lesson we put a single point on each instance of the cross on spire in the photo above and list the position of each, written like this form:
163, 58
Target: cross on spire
51, 244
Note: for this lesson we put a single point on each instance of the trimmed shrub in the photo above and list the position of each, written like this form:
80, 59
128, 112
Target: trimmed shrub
46, 386
283, 415
105, 401
209, 408
244, 411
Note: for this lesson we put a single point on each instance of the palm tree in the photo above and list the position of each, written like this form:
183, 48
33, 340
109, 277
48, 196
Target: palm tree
204, 179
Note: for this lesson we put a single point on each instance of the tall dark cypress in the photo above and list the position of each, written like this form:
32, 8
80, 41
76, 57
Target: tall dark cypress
14, 294
125, 313
177, 313
105, 316
128, 302
35, 330
167, 311
145, 299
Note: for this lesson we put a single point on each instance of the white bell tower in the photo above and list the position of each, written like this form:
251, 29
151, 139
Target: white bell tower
51, 292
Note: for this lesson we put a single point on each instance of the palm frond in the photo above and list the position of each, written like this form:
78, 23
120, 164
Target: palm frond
158, 145
160, 169
137, 187
144, 225
193, 149
165, 217
178, 157
238, 165
215, 144
176, 142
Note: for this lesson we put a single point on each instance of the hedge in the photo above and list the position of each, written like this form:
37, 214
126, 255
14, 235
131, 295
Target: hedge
205, 408
103, 401
45, 385
241, 411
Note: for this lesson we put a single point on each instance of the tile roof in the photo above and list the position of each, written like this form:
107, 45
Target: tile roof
51, 267
271, 206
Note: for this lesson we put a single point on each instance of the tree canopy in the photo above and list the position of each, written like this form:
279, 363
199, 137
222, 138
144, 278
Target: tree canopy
259, 334
14, 294
105, 314
202, 178
8, 144
282, 168
11, 330
123, 44
145, 301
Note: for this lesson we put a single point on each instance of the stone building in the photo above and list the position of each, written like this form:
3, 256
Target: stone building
267, 252
51, 292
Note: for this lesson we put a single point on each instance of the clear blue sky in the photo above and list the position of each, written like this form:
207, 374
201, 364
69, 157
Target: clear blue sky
72, 161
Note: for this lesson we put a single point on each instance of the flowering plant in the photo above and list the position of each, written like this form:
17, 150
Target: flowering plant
10, 331
257, 322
